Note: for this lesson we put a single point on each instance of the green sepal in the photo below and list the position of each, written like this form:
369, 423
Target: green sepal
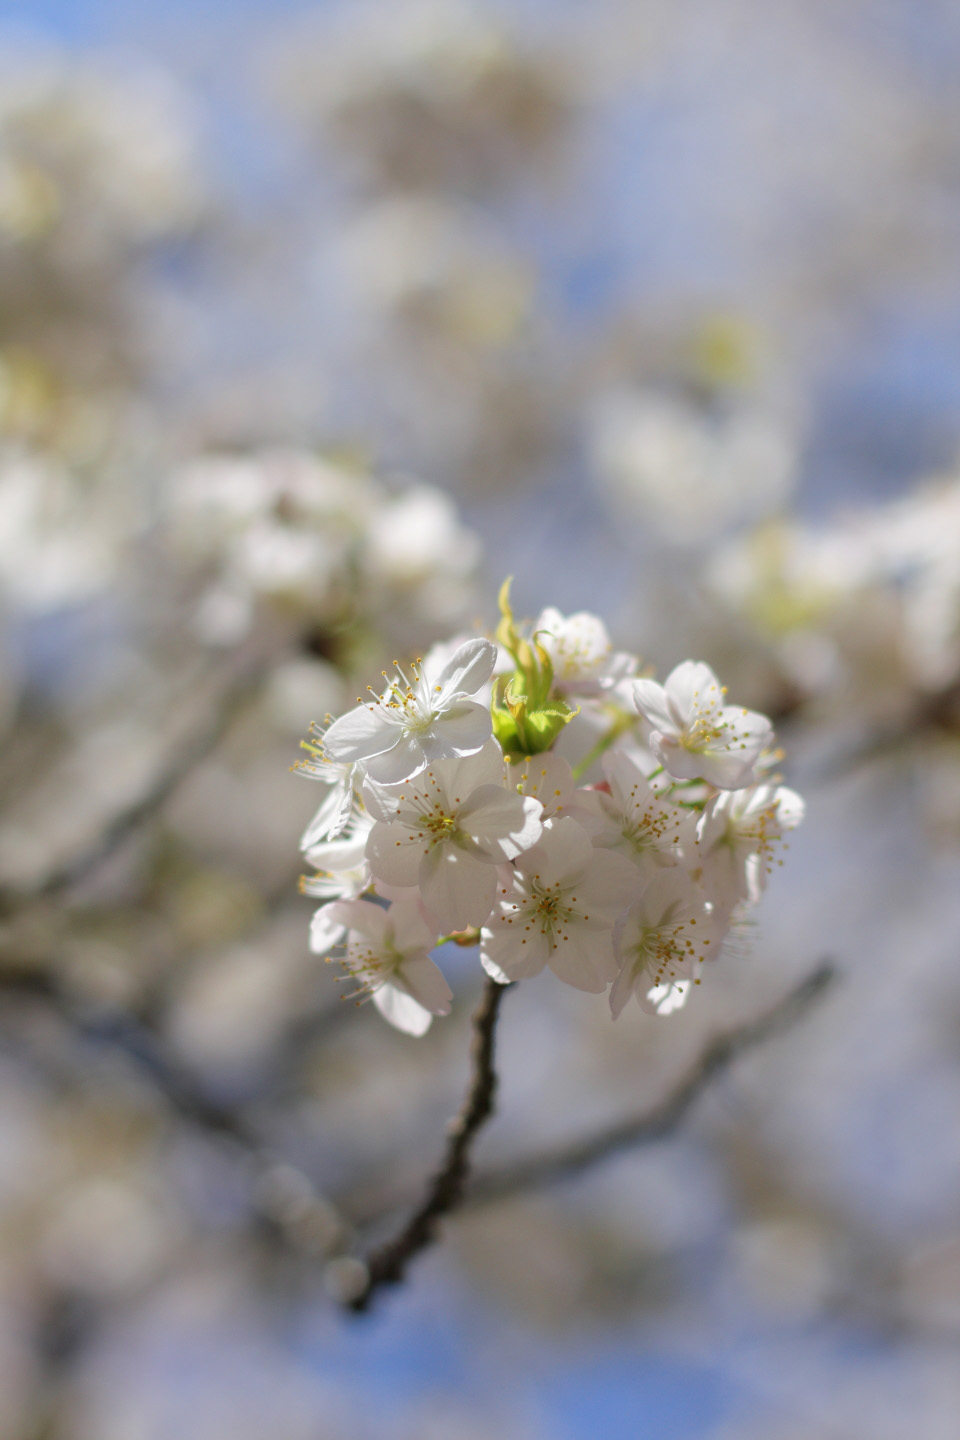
527, 718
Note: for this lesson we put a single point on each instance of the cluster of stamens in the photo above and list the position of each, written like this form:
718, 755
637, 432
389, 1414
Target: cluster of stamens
406, 697
652, 828
438, 822
663, 949
545, 911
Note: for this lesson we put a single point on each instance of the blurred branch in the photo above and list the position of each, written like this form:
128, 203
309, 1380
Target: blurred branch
182, 760
563, 1161
938, 712
284, 1202
445, 1190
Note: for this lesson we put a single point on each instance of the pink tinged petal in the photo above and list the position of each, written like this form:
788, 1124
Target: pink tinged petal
459, 730
608, 885
560, 855
362, 917
394, 853
469, 667
584, 962
651, 701
325, 931
409, 927
424, 982
401, 1010
517, 952
622, 989
459, 888
399, 892
691, 687
501, 823
403, 762
360, 733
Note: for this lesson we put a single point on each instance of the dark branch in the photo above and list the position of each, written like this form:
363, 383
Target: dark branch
662, 1119
445, 1190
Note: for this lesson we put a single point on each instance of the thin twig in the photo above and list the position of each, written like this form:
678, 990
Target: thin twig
662, 1119
445, 1190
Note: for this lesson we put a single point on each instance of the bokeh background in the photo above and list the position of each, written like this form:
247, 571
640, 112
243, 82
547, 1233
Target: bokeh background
316, 320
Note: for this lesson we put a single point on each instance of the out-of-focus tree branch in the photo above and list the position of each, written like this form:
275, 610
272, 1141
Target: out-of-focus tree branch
653, 1123
182, 760
445, 1190
650, 1124
284, 1202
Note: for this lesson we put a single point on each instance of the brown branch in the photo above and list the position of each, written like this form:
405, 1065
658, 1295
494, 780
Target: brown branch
662, 1119
445, 1190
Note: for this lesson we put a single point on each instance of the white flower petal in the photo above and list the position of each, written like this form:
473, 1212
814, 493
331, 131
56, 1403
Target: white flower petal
621, 989
359, 734
560, 855
513, 951
403, 761
502, 824
549, 779
583, 962
409, 928
689, 687
326, 931
484, 767
401, 1010
331, 818
459, 888
493, 970
459, 730
394, 854
361, 916
608, 884
469, 667
667, 998
424, 981
651, 701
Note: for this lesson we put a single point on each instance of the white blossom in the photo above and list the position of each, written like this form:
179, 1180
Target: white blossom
584, 661
388, 952
694, 734
418, 720
556, 907
660, 943
635, 820
737, 838
448, 830
548, 778
333, 816
343, 871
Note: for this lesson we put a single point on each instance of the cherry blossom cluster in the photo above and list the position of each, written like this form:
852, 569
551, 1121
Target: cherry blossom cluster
306, 536
537, 796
